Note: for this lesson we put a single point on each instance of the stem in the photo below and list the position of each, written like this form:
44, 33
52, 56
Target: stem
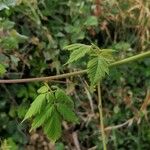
117, 63
130, 59
50, 78
101, 116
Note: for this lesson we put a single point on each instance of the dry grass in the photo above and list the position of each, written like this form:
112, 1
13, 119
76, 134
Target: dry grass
128, 20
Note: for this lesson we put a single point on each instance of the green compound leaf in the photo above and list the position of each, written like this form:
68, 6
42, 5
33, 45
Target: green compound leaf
97, 68
52, 127
67, 113
42, 117
48, 111
62, 98
43, 89
79, 50
35, 106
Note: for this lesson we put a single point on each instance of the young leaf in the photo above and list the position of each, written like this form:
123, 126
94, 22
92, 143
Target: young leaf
35, 106
42, 117
79, 50
97, 68
61, 97
76, 46
52, 127
67, 113
43, 89
107, 55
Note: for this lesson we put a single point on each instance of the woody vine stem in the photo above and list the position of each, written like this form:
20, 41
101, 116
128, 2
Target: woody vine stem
52, 78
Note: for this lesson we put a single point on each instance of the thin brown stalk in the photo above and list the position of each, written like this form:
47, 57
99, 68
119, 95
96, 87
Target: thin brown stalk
128, 122
101, 116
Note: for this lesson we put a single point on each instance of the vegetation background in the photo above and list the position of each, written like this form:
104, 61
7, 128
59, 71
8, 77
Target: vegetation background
32, 36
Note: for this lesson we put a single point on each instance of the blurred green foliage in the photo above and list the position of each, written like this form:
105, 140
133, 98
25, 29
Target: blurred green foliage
32, 36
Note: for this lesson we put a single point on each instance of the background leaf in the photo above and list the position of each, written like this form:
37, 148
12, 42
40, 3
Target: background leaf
2, 70
91, 21
5, 4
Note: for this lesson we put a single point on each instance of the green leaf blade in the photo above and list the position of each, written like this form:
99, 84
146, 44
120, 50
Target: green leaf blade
50, 97
97, 68
43, 89
35, 106
67, 113
76, 46
62, 98
91, 21
42, 117
77, 54
78, 51
53, 127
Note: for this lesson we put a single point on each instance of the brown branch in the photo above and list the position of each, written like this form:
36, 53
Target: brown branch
117, 63
51, 78
76, 141
128, 122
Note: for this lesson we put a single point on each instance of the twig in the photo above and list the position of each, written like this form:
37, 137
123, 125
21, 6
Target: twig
117, 63
93, 148
120, 125
136, 116
76, 141
88, 95
90, 99
50, 78
131, 59
101, 116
